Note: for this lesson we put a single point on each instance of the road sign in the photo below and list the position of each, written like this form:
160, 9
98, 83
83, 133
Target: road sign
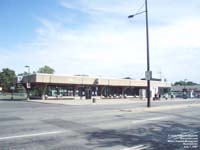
148, 75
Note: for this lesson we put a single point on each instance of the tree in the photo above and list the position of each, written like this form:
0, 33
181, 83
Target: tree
46, 69
179, 83
6, 78
182, 83
191, 83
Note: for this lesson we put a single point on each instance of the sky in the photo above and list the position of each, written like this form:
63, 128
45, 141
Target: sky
96, 38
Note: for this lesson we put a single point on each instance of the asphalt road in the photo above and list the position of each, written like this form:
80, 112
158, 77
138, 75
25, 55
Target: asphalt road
38, 126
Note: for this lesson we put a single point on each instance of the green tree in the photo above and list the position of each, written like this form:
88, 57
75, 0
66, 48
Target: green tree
6, 78
179, 83
191, 83
46, 69
182, 83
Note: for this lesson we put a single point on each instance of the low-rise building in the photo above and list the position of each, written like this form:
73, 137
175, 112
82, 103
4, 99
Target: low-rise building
186, 91
48, 86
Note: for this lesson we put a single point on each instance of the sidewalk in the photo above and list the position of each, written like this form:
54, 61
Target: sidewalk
100, 101
90, 101
158, 108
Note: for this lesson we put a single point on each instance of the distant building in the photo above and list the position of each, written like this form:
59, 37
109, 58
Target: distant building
190, 91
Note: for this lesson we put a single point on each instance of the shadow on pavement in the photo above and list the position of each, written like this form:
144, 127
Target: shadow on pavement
178, 115
154, 136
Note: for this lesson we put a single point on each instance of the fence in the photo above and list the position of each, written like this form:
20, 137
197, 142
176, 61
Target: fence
15, 96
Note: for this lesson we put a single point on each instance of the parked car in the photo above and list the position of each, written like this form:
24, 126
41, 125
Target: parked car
185, 96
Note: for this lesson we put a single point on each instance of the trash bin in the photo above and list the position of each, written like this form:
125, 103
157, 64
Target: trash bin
94, 100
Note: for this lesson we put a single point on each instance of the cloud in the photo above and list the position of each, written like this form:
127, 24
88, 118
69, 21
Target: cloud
108, 44
87, 47
101, 6
184, 33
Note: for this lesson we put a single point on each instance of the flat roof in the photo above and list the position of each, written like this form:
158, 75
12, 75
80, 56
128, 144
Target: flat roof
179, 88
86, 80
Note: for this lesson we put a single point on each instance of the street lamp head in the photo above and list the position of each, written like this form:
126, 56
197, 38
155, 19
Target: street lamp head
131, 16
28, 68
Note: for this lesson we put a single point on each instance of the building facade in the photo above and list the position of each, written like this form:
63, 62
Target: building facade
48, 86
186, 91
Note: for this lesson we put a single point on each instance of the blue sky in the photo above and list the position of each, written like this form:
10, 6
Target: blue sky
95, 37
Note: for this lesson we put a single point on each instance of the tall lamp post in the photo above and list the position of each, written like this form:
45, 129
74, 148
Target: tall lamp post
185, 89
28, 83
185, 83
28, 68
148, 72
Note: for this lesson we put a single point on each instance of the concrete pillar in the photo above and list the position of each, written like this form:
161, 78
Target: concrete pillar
142, 93
27, 91
74, 91
102, 90
123, 91
43, 90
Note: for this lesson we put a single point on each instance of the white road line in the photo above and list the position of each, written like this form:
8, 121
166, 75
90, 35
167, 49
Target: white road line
30, 135
150, 119
138, 147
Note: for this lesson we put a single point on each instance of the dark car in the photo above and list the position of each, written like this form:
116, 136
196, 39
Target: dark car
185, 96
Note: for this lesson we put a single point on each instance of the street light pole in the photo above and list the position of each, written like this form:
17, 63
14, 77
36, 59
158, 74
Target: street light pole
28, 83
148, 73
148, 58
28, 68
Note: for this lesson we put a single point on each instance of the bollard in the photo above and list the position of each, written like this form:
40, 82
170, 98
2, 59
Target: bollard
12, 96
94, 100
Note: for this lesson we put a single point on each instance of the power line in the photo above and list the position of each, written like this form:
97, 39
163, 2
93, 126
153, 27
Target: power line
139, 9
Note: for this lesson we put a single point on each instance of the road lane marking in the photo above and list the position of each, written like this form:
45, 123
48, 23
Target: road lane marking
129, 122
150, 119
30, 135
138, 147
158, 108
